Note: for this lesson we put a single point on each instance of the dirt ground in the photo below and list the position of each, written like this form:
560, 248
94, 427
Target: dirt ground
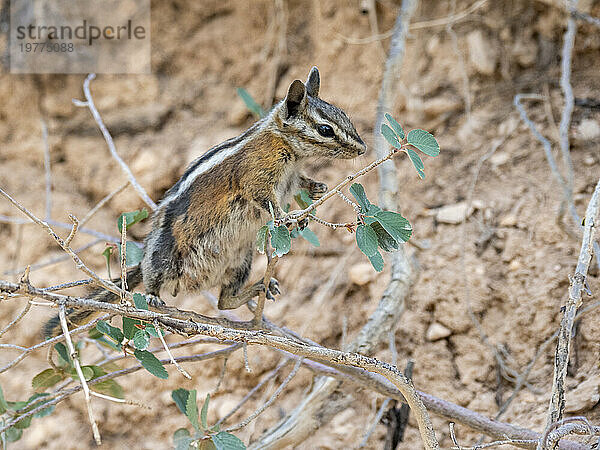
510, 260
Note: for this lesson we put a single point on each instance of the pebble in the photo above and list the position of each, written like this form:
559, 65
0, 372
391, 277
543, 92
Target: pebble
482, 53
510, 220
453, 214
584, 396
588, 130
437, 331
499, 158
362, 274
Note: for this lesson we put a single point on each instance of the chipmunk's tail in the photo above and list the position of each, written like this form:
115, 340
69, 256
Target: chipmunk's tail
79, 317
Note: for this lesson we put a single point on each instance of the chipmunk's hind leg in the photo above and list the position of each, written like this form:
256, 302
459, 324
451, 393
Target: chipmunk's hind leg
233, 296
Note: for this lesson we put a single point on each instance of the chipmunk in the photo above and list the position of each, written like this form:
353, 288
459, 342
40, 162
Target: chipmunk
204, 228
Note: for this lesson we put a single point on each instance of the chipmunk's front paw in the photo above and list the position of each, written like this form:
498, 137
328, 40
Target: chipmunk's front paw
155, 301
317, 190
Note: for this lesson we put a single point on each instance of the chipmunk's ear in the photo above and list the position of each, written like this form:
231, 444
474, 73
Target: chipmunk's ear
296, 100
313, 82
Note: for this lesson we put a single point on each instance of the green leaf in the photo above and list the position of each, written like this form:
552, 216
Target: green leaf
386, 242
141, 340
281, 240
191, 409
395, 125
44, 412
112, 332
131, 218
180, 397
133, 253
227, 441
88, 373
152, 331
396, 225
358, 191
23, 423
106, 253
13, 434
310, 236
45, 379
376, 261
130, 327
151, 363
16, 406
366, 238
204, 412
109, 387
63, 353
303, 199
3, 404
33, 402
251, 104
390, 136
182, 439
261, 239
140, 301
416, 160
423, 141
369, 216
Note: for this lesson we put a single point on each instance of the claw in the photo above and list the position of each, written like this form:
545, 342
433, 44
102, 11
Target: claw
274, 287
154, 300
317, 190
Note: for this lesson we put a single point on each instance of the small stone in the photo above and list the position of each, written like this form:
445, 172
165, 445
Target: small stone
482, 53
477, 204
557, 267
584, 396
588, 130
510, 220
362, 273
437, 331
514, 265
499, 158
589, 160
440, 105
453, 214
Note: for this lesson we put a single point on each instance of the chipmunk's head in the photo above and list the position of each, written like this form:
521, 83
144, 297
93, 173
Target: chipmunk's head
315, 127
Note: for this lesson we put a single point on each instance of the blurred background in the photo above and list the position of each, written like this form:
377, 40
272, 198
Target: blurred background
465, 61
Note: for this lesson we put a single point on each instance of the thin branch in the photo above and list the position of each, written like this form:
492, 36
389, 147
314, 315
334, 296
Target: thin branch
270, 401
577, 285
108, 285
89, 103
420, 25
54, 260
73, 230
166, 347
57, 224
16, 319
551, 161
272, 374
103, 202
565, 85
296, 216
52, 341
86, 390
262, 296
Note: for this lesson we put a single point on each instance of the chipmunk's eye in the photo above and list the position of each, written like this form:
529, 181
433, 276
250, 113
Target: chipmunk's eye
325, 131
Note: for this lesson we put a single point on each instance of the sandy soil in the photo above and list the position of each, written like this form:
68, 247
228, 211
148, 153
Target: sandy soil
510, 261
